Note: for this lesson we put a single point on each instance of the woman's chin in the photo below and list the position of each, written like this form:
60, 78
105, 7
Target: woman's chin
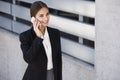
45, 24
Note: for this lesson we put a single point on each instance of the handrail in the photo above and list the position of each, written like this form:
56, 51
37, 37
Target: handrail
77, 50
73, 27
81, 7
5, 7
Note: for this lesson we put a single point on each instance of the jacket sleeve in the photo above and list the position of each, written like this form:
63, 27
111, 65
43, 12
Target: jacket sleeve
30, 50
59, 63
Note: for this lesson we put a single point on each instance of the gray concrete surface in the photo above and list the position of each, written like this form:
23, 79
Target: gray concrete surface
12, 65
107, 61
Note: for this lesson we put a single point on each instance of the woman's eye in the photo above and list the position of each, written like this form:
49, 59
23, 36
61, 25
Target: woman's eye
47, 14
41, 15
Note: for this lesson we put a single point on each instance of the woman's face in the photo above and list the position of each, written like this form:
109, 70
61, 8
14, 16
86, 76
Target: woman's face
43, 16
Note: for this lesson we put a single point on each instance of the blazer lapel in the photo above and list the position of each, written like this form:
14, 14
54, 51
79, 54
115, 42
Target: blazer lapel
52, 38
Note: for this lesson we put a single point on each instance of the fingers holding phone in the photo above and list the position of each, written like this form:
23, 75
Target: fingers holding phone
36, 26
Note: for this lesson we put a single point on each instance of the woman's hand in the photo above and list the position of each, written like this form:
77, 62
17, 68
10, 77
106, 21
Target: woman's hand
36, 27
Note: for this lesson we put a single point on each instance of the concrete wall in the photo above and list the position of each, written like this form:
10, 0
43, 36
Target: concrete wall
107, 61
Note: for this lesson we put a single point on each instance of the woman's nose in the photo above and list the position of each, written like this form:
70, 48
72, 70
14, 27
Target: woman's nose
45, 18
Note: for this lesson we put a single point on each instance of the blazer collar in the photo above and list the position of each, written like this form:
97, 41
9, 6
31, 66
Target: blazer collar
51, 36
52, 40
33, 33
50, 33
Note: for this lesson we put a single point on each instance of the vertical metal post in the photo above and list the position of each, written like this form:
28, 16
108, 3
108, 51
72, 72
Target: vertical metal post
81, 20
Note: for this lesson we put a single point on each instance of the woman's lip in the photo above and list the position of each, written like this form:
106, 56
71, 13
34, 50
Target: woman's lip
45, 23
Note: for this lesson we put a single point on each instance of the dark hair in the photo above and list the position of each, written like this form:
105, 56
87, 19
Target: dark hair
36, 6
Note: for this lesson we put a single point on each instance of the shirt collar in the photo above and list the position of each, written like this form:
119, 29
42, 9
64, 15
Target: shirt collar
46, 34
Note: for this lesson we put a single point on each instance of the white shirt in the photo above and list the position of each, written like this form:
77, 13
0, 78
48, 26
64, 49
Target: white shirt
48, 49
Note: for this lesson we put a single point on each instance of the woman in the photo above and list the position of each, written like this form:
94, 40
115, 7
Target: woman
41, 46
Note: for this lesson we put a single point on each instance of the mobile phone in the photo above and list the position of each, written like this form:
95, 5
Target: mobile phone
32, 19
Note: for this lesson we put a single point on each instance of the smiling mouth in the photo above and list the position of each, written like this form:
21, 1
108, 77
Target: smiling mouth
45, 23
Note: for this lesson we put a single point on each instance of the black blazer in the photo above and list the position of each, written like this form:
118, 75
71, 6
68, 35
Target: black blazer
34, 54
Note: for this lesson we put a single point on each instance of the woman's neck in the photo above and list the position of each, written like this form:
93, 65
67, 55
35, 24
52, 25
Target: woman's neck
42, 29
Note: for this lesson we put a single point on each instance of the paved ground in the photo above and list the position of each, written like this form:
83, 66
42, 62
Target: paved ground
11, 62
